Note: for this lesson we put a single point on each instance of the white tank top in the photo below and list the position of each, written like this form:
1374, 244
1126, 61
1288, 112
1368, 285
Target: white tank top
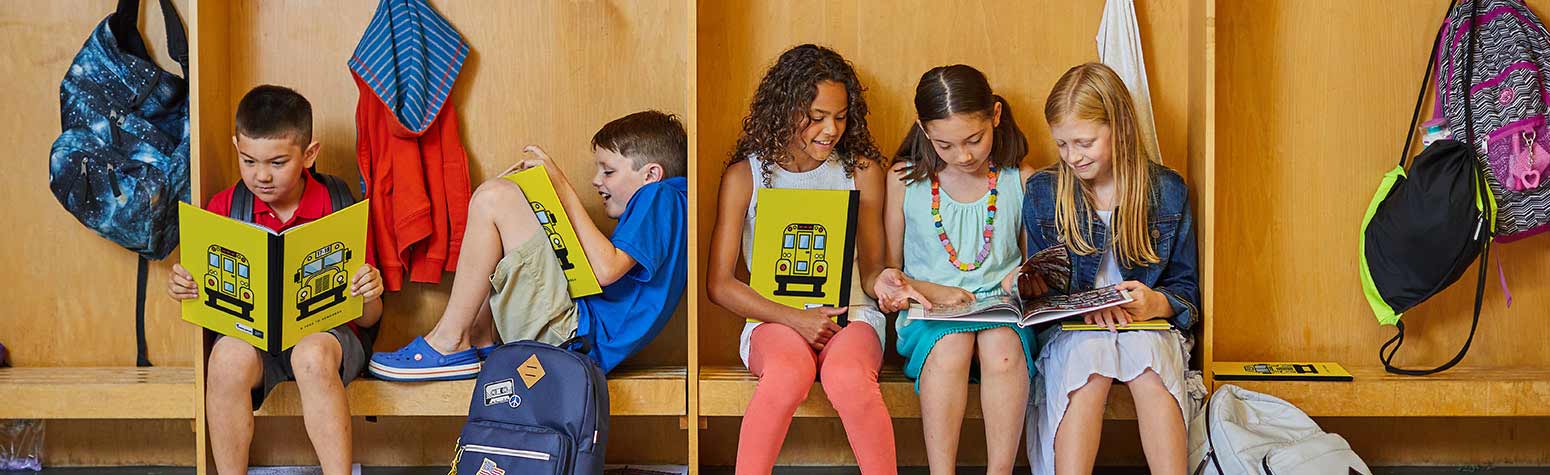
830, 175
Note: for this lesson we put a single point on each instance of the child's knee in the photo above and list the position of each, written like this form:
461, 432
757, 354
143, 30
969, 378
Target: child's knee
1148, 382
785, 387
953, 351
848, 375
1097, 382
316, 356
497, 195
232, 363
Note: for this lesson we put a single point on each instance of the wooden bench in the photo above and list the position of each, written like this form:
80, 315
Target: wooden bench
1457, 392
645, 391
726, 391
97, 393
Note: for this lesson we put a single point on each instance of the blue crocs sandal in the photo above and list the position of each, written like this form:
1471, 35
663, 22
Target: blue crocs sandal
484, 352
418, 361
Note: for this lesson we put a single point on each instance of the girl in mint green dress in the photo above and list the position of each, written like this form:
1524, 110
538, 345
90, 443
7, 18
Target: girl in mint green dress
953, 220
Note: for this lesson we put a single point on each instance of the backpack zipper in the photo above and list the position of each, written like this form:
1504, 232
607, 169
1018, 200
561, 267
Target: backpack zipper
527, 454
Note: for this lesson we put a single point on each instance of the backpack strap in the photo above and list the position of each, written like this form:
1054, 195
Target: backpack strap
1484, 226
1210, 446
141, 360
125, 29
339, 194
1420, 98
241, 203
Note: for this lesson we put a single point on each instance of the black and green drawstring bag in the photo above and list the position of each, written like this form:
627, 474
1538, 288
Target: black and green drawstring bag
1425, 225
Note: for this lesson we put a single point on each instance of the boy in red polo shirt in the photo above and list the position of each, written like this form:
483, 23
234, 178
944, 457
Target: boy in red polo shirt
275, 149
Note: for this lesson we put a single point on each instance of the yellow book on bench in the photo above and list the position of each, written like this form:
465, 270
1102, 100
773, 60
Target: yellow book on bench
271, 289
558, 229
804, 246
1148, 325
1279, 371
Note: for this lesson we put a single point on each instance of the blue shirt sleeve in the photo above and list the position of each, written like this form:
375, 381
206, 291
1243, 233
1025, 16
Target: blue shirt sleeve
639, 234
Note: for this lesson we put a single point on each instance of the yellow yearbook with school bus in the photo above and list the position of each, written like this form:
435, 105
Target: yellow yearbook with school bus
558, 229
804, 246
271, 289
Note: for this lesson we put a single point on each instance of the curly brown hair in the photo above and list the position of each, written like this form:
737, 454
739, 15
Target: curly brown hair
779, 110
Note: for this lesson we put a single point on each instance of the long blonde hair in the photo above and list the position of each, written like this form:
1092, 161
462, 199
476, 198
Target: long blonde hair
1095, 93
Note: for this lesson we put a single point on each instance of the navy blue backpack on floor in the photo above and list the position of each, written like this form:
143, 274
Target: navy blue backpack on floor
536, 410
120, 164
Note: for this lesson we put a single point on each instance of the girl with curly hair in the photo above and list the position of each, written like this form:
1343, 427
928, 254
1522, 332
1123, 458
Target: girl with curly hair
806, 128
953, 222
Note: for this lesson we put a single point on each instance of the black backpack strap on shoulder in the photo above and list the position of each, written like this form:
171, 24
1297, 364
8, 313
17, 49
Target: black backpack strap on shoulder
241, 203
1484, 226
141, 360
339, 194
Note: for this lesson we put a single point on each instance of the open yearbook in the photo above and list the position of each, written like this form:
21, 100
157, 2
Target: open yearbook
271, 289
1052, 265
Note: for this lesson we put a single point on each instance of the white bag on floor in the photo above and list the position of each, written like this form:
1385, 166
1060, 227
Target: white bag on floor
1245, 432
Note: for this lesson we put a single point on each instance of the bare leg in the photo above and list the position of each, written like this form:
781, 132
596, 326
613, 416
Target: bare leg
1003, 396
325, 410
1080, 430
944, 392
499, 218
1161, 425
234, 371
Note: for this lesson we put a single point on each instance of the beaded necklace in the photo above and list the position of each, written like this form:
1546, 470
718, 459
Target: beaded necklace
990, 222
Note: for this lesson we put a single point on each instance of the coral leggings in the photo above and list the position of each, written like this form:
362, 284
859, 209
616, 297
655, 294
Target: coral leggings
786, 365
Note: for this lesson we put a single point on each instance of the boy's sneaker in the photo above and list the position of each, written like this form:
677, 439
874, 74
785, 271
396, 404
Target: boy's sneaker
418, 361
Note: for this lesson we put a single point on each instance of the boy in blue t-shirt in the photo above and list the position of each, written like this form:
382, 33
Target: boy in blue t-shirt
641, 161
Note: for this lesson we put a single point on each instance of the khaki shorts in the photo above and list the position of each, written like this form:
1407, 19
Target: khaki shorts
531, 296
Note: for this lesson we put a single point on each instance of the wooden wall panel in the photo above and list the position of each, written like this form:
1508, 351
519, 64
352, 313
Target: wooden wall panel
69, 294
1314, 99
891, 44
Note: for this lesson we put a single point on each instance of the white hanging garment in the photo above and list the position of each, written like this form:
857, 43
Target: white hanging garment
1119, 47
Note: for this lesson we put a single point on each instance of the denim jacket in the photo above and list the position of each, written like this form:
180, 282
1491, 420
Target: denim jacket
1173, 237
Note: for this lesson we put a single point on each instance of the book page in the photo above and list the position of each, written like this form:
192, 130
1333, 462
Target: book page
997, 308
227, 259
1058, 306
321, 260
558, 229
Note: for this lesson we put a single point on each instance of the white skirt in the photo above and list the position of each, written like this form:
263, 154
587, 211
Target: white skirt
1069, 358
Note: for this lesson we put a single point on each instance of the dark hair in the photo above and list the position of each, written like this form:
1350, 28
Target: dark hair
779, 110
647, 137
958, 89
272, 112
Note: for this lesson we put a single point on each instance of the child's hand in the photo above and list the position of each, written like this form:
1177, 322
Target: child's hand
1111, 318
181, 286
815, 326
950, 296
368, 283
894, 292
1145, 304
542, 158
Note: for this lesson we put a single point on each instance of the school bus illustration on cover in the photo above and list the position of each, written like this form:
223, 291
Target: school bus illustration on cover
226, 283
547, 219
323, 279
802, 260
